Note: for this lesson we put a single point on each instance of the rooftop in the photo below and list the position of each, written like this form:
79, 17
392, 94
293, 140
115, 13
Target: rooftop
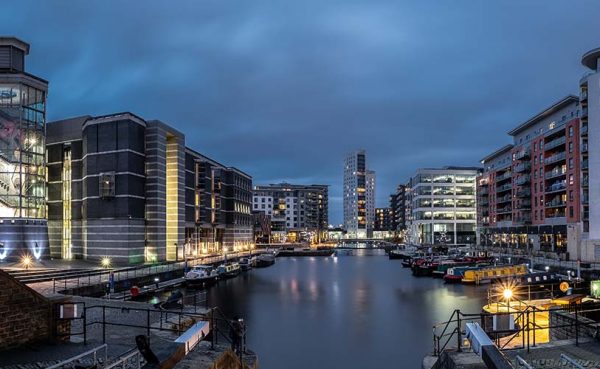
569, 99
498, 152
590, 59
15, 42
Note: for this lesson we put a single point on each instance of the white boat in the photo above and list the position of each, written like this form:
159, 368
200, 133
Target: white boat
229, 270
201, 275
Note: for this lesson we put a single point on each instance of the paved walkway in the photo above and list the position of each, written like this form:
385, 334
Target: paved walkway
50, 288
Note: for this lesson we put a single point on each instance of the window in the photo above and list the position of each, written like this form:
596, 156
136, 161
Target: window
571, 213
107, 185
571, 146
571, 180
571, 131
571, 196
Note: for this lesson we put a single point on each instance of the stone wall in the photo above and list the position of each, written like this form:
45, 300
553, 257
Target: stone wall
562, 326
25, 315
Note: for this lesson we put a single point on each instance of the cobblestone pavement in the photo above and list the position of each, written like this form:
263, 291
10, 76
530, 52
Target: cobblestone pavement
119, 339
587, 354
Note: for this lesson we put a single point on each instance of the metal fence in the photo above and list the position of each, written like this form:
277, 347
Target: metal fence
102, 277
524, 335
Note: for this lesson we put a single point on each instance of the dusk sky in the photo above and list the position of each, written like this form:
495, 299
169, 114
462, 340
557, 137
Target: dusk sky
282, 90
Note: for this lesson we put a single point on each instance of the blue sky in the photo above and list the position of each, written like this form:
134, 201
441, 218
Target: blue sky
283, 89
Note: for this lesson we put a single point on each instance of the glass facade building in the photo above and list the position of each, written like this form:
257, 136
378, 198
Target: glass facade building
23, 226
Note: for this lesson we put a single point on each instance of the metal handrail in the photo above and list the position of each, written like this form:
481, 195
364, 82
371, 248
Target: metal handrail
571, 361
93, 351
524, 363
126, 358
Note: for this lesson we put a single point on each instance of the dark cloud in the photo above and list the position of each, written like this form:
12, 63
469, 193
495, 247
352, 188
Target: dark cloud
283, 89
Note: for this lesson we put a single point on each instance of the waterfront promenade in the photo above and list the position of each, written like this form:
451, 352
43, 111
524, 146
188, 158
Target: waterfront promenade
89, 275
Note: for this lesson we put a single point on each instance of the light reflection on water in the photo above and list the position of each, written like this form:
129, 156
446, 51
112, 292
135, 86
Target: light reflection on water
350, 311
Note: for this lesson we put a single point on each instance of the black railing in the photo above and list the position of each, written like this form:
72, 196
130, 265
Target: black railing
525, 326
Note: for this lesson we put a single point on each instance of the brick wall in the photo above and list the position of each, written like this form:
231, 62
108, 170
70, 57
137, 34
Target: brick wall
25, 315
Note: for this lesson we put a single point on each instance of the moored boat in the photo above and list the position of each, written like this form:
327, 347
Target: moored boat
491, 274
229, 270
245, 264
201, 275
265, 260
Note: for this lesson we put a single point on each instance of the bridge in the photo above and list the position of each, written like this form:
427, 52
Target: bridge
368, 243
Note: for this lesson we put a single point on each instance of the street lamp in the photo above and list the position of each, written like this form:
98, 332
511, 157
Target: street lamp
26, 261
547, 268
507, 293
105, 262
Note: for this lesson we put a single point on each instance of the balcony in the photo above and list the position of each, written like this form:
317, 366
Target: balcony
522, 167
556, 187
556, 203
484, 203
504, 176
505, 210
523, 219
585, 199
503, 188
584, 130
585, 181
555, 158
523, 180
483, 192
584, 112
556, 172
554, 143
523, 205
585, 164
524, 193
583, 95
504, 199
522, 154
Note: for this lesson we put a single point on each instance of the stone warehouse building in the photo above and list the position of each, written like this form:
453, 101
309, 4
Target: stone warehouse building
127, 188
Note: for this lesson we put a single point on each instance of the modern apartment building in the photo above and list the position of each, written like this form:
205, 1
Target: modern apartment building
590, 157
441, 206
126, 188
359, 196
23, 226
383, 225
529, 195
297, 212
397, 209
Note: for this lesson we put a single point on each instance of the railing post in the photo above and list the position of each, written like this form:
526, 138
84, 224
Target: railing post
458, 333
148, 321
103, 323
54, 285
576, 327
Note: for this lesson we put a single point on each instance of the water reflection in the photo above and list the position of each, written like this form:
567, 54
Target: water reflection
350, 311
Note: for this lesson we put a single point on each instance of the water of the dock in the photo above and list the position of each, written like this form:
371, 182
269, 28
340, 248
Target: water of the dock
345, 312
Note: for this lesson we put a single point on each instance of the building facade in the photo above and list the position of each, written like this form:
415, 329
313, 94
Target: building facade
128, 189
23, 225
529, 195
297, 212
397, 210
441, 206
383, 225
589, 86
359, 196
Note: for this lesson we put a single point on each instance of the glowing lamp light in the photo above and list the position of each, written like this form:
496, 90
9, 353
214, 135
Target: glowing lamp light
507, 293
547, 268
105, 262
26, 261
